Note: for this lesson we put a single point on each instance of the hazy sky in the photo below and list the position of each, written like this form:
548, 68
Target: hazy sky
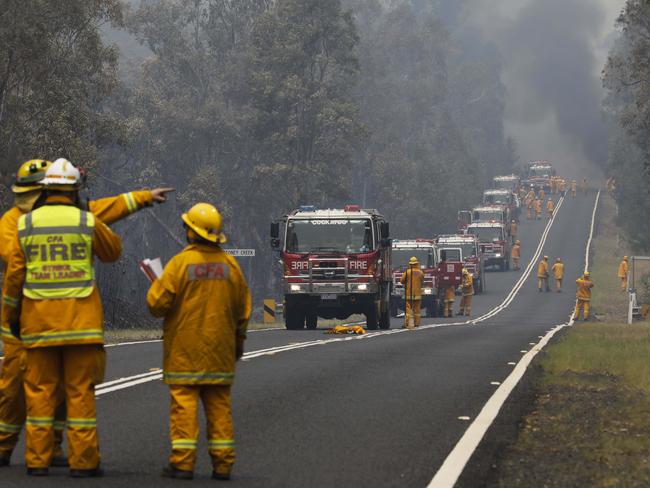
554, 52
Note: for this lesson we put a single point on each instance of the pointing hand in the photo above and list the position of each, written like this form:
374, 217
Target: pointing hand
160, 194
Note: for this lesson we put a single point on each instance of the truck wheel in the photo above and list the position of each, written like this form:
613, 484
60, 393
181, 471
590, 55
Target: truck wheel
311, 320
294, 318
371, 319
384, 320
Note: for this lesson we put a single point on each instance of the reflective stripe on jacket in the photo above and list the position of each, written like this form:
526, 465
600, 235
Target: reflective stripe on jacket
57, 322
57, 244
467, 286
206, 304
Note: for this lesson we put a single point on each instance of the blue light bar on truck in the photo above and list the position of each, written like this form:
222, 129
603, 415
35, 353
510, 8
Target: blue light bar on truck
307, 208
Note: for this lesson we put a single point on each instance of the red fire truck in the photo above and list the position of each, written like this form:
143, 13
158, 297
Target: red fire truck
492, 213
440, 270
506, 182
538, 175
471, 255
336, 263
503, 197
493, 242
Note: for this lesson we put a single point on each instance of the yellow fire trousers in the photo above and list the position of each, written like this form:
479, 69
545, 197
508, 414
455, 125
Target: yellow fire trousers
515, 263
584, 305
542, 283
184, 426
12, 402
78, 368
449, 308
465, 305
623, 283
413, 313
558, 284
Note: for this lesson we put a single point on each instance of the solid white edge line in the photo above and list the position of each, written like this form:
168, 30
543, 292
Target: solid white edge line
457, 459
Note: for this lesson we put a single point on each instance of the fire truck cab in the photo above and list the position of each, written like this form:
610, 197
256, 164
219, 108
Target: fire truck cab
493, 242
471, 255
464, 219
336, 263
491, 213
503, 197
538, 175
424, 250
506, 182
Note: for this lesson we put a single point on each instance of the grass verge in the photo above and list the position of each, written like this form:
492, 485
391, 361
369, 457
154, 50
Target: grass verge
589, 424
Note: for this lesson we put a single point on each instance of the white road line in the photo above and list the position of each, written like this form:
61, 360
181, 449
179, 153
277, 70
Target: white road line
143, 378
457, 459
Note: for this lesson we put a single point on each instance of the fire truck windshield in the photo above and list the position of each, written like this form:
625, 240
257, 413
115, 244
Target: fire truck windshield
495, 199
540, 171
487, 234
400, 257
329, 235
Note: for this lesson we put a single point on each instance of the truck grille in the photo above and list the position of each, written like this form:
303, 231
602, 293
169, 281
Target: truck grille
328, 269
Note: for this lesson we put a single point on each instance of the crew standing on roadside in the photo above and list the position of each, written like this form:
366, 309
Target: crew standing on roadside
558, 272
514, 228
622, 273
59, 318
538, 209
467, 292
562, 186
515, 252
204, 298
574, 188
542, 275
27, 190
549, 208
583, 296
412, 280
541, 195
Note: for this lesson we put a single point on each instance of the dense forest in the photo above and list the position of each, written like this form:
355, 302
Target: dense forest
627, 77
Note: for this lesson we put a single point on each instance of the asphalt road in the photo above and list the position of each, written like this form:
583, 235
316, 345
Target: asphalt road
318, 410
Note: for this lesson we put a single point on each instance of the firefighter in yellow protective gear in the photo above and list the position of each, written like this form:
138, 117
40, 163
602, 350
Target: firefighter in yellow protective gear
51, 303
622, 273
562, 184
538, 208
205, 301
515, 252
529, 210
514, 229
584, 185
412, 279
550, 206
27, 190
574, 188
541, 195
467, 292
558, 273
449, 296
542, 275
583, 296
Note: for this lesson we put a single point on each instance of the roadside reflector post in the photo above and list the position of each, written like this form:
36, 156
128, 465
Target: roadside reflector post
269, 311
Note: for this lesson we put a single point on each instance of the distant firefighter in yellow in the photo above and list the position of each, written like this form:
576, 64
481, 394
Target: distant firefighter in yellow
558, 273
412, 280
516, 255
449, 296
550, 206
467, 292
542, 275
622, 273
583, 296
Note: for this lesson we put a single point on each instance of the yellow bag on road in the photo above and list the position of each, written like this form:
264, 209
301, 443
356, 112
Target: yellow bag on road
347, 329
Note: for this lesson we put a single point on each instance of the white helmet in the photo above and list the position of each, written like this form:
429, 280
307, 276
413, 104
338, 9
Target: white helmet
62, 173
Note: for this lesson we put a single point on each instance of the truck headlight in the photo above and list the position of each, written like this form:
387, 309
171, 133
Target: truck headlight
362, 287
427, 291
497, 255
295, 288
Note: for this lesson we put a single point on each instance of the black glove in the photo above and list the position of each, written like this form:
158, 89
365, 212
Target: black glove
15, 329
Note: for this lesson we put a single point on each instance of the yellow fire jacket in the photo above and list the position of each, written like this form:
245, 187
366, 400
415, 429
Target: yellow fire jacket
542, 269
108, 210
558, 270
57, 322
412, 280
516, 251
584, 289
622, 269
206, 304
467, 286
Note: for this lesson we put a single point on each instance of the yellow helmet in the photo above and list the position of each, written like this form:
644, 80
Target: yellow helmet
413, 261
205, 220
517, 241
29, 175
465, 271
625, 258
587, 274
545, 258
